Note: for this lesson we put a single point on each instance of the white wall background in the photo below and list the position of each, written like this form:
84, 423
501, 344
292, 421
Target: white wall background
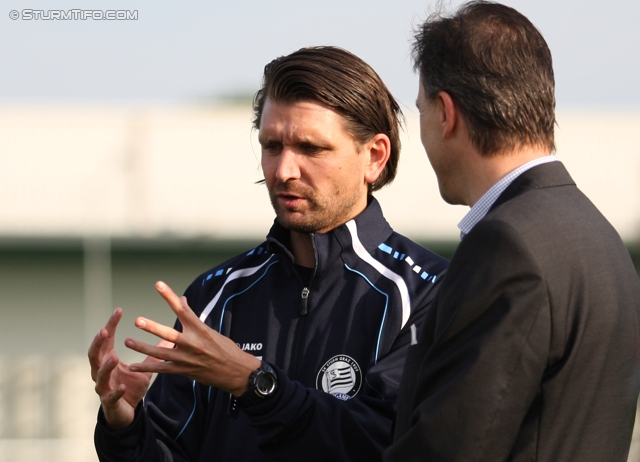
189, 171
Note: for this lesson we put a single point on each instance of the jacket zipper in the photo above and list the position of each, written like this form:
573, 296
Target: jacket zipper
304, 310
305, 299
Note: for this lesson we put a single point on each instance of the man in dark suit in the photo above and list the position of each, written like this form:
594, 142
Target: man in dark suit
530, 352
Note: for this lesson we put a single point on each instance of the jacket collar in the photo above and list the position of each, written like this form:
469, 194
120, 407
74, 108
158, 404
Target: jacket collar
547, 175
371, 226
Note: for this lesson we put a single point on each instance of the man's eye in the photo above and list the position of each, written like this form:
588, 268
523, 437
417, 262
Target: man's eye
311, 149
272, 148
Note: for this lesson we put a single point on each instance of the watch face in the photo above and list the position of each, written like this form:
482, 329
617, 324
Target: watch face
265, 383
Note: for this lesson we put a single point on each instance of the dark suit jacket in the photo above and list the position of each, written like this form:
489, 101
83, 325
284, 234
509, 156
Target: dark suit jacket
531, 350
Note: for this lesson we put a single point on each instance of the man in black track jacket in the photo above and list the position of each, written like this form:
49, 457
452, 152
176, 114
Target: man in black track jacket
294, 349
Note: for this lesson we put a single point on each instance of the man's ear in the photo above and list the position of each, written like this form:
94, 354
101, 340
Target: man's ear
449, 114
378, 151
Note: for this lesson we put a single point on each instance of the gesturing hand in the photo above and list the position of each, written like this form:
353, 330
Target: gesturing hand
119, 388
200, 353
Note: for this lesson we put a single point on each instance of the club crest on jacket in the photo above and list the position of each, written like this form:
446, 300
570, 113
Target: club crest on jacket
341, 377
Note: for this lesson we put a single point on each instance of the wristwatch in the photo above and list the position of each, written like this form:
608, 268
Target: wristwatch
263, 383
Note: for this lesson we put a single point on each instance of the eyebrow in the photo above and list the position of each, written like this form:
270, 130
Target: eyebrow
297, 139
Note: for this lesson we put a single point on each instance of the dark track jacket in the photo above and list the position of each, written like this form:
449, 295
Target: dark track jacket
338, 345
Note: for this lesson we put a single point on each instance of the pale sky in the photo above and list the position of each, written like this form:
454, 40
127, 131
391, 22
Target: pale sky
203, 48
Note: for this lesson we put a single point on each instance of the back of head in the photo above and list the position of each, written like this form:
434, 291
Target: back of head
497, 68
342, 81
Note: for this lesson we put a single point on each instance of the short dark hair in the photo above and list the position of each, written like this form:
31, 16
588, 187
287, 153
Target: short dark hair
497, 68
342, 81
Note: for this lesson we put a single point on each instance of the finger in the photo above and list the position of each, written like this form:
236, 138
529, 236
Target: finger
165, 344
98, 354
177, 304
105, 336
166, 333
96, 347
160, 367
169, 295
103, 375
161, 343
111, 399
158, 353
113, 321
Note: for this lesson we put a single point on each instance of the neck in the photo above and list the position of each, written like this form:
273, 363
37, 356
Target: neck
302, 249
484, 172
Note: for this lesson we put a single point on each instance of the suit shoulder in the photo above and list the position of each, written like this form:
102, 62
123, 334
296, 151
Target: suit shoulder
491, 244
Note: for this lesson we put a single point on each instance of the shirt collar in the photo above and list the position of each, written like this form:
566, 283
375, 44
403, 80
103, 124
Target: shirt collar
480, 208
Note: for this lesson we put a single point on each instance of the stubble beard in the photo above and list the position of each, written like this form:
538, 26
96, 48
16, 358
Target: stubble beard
319, 214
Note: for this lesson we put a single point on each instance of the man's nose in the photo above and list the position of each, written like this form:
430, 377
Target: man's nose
288, 165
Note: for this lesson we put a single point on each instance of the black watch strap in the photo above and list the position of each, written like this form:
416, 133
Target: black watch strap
263, 383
